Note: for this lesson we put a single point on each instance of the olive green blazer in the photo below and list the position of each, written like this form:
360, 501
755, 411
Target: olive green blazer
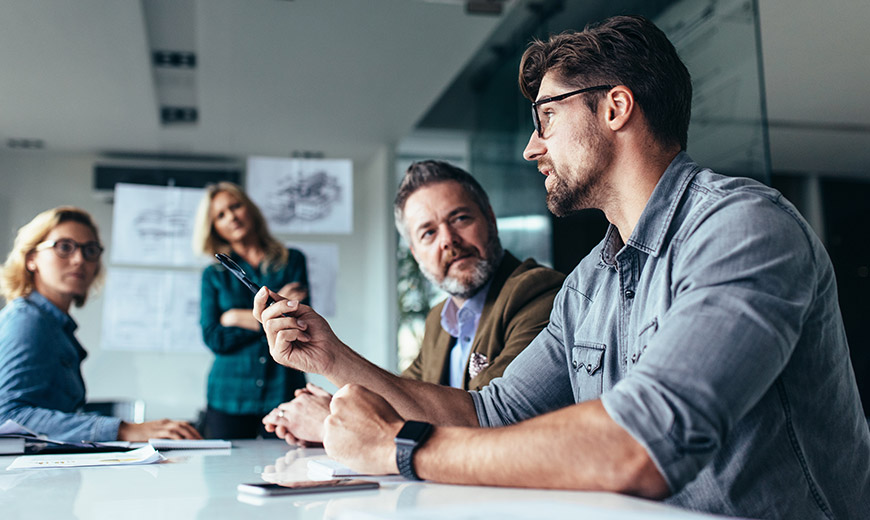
517, 308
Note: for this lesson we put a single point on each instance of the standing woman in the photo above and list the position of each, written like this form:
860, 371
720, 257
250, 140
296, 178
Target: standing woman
244, 383
53, 263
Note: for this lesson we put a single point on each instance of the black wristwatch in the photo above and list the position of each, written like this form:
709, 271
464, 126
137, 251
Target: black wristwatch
412, 435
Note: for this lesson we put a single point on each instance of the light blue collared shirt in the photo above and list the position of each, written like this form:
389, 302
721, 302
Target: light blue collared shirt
461, 323
714, 338
41, 385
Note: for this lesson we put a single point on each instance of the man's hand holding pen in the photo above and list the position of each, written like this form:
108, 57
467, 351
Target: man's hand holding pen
298, 337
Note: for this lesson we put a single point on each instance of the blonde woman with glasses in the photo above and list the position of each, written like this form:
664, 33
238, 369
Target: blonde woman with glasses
54, 262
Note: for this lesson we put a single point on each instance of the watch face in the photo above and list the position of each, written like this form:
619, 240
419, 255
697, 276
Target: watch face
413, 431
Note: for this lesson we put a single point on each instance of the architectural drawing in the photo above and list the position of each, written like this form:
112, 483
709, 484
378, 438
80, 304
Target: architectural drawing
162, 223
153, 225
167, 310
302, 195
306, 198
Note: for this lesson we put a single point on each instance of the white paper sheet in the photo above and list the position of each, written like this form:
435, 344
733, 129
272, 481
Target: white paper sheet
12, 427
322, 262
153, 225
303, 195
144, 455
152, 310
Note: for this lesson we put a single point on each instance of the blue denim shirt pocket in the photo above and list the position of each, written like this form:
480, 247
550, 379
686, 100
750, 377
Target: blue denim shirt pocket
587, 359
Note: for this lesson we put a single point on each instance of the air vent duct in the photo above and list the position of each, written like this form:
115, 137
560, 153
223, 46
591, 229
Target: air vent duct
106, 176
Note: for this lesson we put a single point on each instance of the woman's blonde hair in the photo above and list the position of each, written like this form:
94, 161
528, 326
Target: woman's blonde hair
206, 239
17, 280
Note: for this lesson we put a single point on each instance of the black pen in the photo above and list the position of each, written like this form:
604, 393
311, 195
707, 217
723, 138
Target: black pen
239, 273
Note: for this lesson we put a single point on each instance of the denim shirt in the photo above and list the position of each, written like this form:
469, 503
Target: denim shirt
41, 385
714, 337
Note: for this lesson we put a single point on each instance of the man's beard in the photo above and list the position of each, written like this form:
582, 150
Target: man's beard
481, 271
581, 188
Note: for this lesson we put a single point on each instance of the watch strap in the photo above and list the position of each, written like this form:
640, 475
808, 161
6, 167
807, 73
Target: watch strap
412, 435
405, 461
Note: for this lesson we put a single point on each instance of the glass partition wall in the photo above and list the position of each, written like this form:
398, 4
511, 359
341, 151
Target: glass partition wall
482, 123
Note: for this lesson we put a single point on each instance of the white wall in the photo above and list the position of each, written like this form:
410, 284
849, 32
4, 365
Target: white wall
172, 384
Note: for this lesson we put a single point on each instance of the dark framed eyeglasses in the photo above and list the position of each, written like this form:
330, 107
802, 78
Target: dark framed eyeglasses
66, 247
535, 104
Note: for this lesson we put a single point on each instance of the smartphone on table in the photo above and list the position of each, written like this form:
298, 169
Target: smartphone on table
306, 486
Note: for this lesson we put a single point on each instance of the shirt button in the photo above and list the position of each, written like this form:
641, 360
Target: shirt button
629, 294
260, 383
466, 339
574, 364
589, 368
262, 360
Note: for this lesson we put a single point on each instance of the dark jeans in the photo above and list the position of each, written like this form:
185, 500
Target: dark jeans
220, 425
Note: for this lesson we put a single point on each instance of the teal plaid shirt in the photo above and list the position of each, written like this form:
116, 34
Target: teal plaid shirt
244, 379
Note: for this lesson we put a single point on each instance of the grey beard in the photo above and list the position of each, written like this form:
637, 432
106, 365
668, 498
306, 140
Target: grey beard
482, 271
481, 274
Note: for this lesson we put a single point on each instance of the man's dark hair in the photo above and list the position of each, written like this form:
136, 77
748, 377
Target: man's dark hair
622, 50
424, 173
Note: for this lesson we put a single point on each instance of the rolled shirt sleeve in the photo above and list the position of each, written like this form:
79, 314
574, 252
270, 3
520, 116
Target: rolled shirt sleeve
743, 279
713, 336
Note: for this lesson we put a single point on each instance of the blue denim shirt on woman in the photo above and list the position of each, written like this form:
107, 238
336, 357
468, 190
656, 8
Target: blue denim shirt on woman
41, 385
714, 337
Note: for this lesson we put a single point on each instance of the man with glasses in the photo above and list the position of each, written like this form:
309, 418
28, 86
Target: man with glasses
697, 355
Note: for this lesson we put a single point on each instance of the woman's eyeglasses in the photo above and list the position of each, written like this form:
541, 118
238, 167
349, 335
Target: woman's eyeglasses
66, 247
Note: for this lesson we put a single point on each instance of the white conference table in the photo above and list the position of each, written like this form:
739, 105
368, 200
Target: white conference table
201, 484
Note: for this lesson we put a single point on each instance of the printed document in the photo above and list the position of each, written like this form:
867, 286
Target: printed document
144, 455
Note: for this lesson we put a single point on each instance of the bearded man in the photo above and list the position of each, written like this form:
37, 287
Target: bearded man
496, 304
697, 355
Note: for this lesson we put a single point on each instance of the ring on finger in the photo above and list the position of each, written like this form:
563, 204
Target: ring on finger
280, 413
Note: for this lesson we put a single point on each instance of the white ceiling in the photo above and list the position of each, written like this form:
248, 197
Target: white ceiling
340, 77
344, 77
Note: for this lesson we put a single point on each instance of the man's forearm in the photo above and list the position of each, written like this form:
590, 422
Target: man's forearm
578, 447
414, 400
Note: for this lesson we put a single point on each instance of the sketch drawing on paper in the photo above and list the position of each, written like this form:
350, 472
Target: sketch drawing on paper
162, 223
153, 225
304, 197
